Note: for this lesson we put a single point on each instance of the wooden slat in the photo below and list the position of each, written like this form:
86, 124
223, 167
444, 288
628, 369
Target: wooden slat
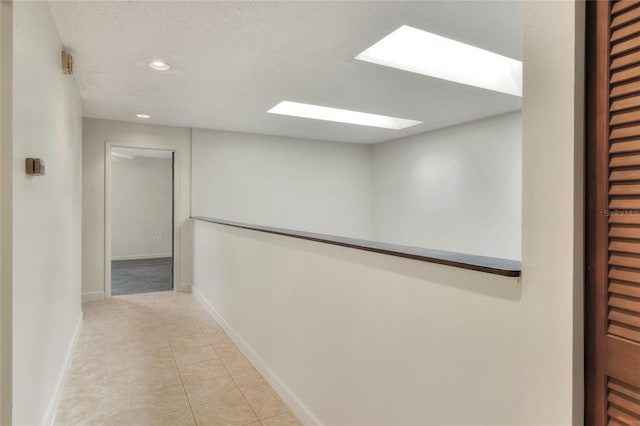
625, 74
627, 219
619, 352
624, 175
626, 261
624, 275
625, 132
625, 402
626, 17
622, 5
612, 311
623, 388
624, 89
626, 31
625, 60
625, 103
625, 289
625, 118
624, 204
625, 303
627, 45
622, 416
620, 330
624, 247
618, 231
624, 317
625, 160
624, 189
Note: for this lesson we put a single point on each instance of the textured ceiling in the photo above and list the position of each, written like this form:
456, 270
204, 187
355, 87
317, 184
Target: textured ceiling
232, 61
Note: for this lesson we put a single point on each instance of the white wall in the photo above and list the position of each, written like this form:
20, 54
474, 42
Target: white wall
141, 208
47, 217
361, 338
457, 189
314, 186
552, 317
6, 240
95, 134
358, 338
466, 179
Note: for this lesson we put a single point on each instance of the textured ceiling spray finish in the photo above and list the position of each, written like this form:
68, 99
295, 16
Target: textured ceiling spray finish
233, 61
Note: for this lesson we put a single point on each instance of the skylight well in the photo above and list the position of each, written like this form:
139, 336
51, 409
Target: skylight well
318, 112
421, 52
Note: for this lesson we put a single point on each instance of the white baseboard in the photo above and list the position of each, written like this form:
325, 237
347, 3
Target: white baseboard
140, 256
50, 414
299, 409
185, 287
92, 296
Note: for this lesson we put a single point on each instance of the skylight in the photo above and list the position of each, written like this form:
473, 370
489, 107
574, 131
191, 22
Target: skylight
418, 51
317, 112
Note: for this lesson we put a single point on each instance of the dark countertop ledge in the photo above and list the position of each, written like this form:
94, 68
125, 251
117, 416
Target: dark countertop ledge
491, 265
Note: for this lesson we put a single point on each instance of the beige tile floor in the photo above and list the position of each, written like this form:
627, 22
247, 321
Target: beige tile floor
160, 359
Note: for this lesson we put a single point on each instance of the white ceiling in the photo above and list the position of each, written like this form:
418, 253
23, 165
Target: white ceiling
143, 153
232, 61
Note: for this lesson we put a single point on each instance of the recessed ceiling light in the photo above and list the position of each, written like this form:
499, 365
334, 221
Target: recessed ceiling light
341, 115
418, 51
143, 116
159, 65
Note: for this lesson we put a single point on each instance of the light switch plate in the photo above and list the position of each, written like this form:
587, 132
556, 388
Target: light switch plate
35, 167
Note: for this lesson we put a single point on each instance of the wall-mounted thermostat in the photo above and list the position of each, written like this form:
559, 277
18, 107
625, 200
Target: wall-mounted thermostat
67, 63
35, 167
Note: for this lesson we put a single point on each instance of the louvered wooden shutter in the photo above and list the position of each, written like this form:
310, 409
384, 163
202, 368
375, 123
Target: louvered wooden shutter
614, 250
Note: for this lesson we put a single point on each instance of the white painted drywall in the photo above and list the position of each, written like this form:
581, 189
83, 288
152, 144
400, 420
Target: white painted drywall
47, 121
457, 189
307, 185
551, 323
95, 134
141, 208
358, 338
365, 339
6, 209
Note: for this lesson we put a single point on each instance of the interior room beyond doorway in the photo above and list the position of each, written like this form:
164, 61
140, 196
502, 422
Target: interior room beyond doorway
141, 220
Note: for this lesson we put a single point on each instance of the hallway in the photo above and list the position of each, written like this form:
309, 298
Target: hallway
160, 359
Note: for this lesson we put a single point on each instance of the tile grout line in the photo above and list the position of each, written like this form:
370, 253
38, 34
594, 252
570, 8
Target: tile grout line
241, 392
260, 420
233, 378
129, 409
163, 313
231, 375
175, 361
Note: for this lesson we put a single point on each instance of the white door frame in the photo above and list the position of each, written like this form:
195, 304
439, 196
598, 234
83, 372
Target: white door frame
177, 197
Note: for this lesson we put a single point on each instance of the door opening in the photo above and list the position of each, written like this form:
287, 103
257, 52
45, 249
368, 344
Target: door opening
142, 220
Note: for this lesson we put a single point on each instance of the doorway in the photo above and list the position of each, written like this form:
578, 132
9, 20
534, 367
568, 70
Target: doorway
142, 220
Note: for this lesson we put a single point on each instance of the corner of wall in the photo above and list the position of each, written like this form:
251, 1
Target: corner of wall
579, 223
185, 287
552, 242
92, 296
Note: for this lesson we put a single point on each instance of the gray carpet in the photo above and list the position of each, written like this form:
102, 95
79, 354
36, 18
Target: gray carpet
141, 276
